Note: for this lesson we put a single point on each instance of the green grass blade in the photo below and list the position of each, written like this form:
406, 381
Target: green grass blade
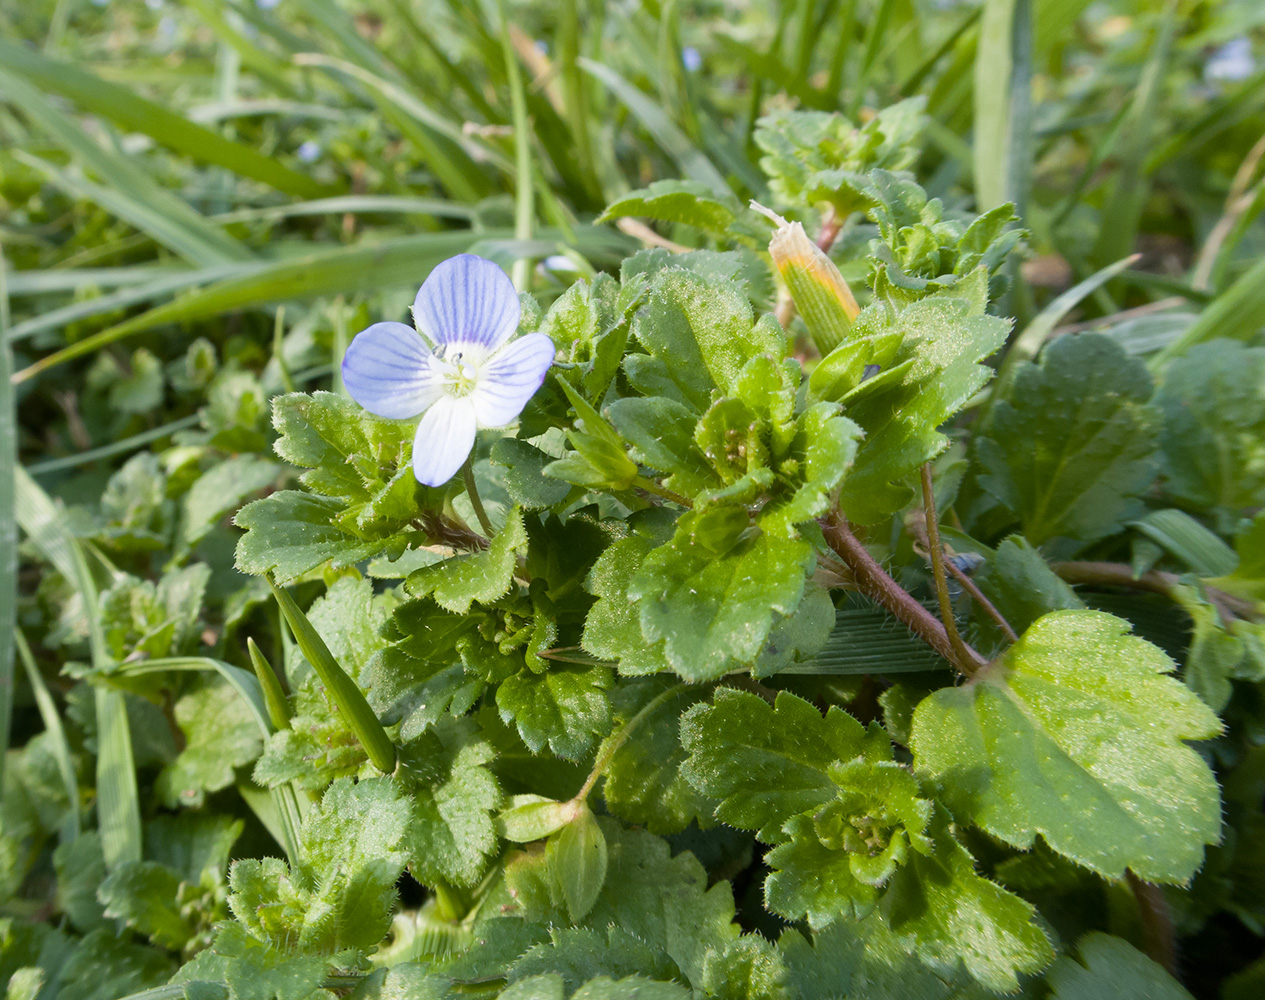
524, 204
8, 519
362, 268
128, 110
1003, 99
57, 737
1124, 200
143, 199
274, 697
1027, 345
692, 161
152, 221
1237, 314
118, 798
347, 696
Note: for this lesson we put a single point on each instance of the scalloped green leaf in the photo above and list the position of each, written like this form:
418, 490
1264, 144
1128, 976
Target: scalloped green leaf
1076, 733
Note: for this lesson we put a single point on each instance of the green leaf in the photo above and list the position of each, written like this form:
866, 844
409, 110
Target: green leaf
1073, 444
1076, 733
864, 958
565, 707
482, 577
220, 736
525, 480
144, 895
1248, 579
1200, 550
612, 630
1213, 401
1021, 584
219, 492
289, 534
580, 955
341, 894
716, 316
533, 817
453, 803
343, 689
644, 783
767, 763
688, 202
1108, 966
942, 340
659, 898
939, 907
812, 156
578, 856
713, 598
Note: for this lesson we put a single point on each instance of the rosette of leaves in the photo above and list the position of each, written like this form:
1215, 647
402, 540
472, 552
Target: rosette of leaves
853, 835
721, 426
921, 250
815, 156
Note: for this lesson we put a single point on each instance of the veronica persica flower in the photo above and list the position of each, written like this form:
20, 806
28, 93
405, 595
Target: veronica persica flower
459, 368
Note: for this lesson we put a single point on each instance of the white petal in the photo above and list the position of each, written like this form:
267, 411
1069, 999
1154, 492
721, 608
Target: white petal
389, 370
467, 300
443, 440
511, 378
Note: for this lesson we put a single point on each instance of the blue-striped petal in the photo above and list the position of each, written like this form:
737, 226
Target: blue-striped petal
389, 370
443, 440
467, 300
509, 379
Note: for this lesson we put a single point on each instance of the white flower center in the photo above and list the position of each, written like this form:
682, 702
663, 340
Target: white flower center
460, 374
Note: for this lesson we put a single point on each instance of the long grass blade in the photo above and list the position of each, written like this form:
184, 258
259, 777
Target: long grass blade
692, 161
347, 270
118, 798
1237, 314
1122, 211
57, 737
8, 519
247, 685
347, 696
128, 110
140, 200
1003, 99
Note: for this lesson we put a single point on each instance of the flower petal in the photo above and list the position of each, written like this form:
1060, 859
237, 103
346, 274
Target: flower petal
443, 440
467, 299
389, 370
509, 379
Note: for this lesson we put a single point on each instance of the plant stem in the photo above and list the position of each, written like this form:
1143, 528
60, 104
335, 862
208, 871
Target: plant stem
612, 745
874, 582
936, 551
650, 486
467, 472
978, 596
1155, 581
1157, 922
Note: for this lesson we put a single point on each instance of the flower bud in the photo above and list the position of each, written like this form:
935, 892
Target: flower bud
823, 298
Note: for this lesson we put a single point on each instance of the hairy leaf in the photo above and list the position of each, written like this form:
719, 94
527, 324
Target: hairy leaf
1075, 733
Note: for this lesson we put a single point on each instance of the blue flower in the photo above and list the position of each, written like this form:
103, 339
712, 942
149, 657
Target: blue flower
1232, 62
692, 59
309, 151
462, 372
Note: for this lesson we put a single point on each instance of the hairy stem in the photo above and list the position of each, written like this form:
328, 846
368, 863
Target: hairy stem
472, 491
874, 582
1157, 922
612, 745
650, 486
1156, 581
936, 551
978, 596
